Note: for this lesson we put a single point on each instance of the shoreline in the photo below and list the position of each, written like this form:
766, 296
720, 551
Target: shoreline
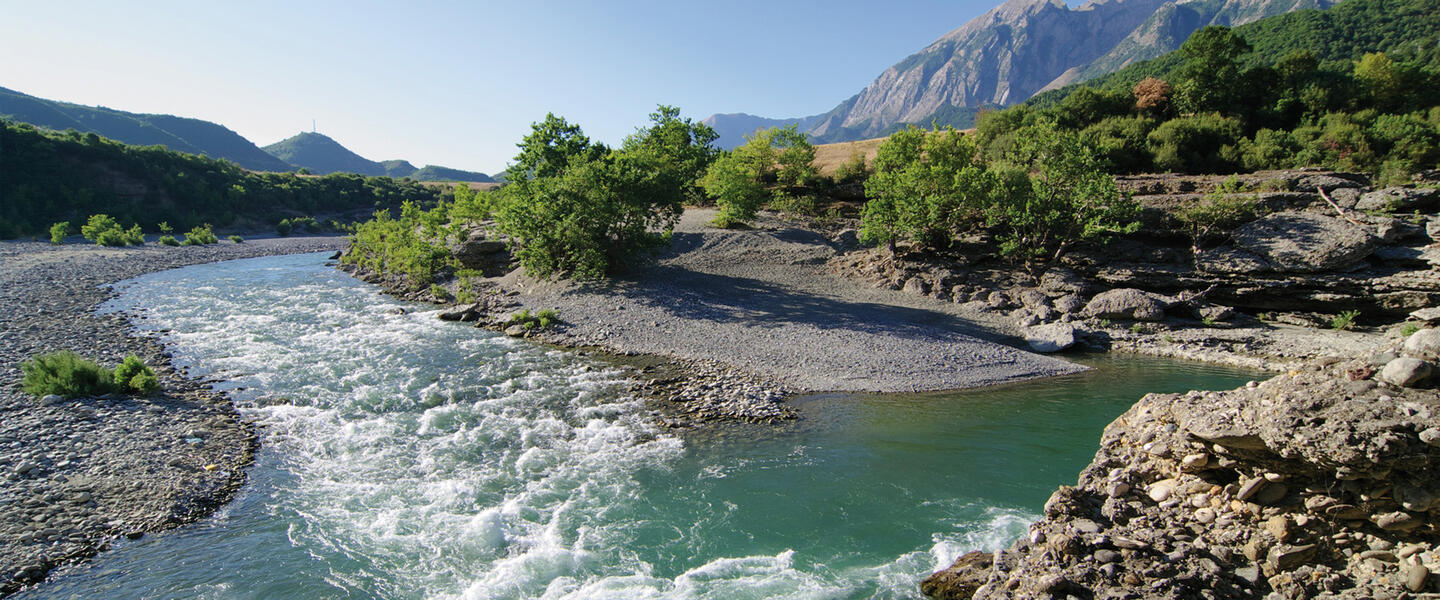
80, 473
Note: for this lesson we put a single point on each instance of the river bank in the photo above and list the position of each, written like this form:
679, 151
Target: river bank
78, 473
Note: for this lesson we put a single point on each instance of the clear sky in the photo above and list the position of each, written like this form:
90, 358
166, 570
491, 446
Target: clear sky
458, 83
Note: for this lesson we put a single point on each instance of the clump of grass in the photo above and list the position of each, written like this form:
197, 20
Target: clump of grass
541, 320
1409, 329
237, 239
68, 374
168, 240
1344, 320
439, 292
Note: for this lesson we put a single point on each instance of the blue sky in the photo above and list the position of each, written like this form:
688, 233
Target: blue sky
458, 83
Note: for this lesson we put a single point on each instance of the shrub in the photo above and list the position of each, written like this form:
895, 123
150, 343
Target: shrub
927, 186
1217, 212
104, 231
439, 292
133, 375
134, 237
1409, 329
283, 228
67, 374
237, 239
853, 170
168, 240
1199, 144
1344, 320
58, 231
793, 205
201, 235
541, 320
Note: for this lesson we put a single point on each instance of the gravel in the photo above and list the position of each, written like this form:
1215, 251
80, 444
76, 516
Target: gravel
762, 302
75, 474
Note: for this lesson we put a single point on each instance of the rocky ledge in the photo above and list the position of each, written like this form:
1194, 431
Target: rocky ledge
1318, 483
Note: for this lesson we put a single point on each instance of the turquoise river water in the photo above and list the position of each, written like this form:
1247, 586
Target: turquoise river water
406, 457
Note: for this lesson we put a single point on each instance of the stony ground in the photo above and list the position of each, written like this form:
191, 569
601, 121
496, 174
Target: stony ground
75, 474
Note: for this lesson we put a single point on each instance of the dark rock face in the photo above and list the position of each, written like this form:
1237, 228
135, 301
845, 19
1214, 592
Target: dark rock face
1304, 486
1296, 242
489, 256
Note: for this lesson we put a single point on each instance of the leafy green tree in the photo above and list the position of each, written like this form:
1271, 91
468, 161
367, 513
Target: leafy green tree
737, 178
927, 186
1206, 143
795, 157
576, 209
683, 148
58, 232
1070, 197
1211, 78
104, 231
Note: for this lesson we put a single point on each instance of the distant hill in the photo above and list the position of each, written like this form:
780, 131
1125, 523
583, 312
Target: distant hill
323, 155
733, 127
180, 134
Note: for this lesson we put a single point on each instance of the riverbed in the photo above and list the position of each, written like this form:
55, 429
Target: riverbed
406, 457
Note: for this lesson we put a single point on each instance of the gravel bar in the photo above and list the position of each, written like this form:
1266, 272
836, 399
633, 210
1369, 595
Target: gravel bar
76, 474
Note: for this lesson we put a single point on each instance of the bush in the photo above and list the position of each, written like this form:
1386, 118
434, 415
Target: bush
1216, 213
853, 170
66, 374
1344, 320
134, 237
237, 239
1198, 144
58, 231
133, 375
283, 228
541, 320
168, 240
201, 236
104, 231
927, 186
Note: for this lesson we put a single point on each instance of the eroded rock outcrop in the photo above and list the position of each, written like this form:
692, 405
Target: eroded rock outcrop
1321, 482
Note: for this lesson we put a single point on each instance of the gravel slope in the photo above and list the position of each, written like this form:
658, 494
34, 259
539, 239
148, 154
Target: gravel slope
77, 473
761, 301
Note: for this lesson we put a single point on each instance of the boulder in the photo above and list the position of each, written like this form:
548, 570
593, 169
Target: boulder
1428, 316
1032, 299
1297, 242
1125, 303
1423, 344
1060, 281
1229, 260
1397, 199
1321, 181
1070, 304
1406, 372
491, 257
1050, 338
961, 580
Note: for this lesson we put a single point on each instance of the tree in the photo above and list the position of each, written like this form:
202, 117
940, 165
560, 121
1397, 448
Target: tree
1211, 78
1152, 97
683, 147
574, 208
1070, 198
737, 178
795, 157
927, 186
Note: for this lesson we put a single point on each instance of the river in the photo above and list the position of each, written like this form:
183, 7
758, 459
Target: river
407, 457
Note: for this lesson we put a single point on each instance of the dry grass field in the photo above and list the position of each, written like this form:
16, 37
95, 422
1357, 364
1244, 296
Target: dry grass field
829, 157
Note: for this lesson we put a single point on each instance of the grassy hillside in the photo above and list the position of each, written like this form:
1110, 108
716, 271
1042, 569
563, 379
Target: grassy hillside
829, 157
46, 177
438, 173
320, 154
180, 134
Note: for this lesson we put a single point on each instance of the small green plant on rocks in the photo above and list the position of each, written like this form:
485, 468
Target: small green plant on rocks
1344, 320
541, 320
201, 236
67, 374
439, 292
134, 376
237, 239
58, 232
1409, 329
168, 240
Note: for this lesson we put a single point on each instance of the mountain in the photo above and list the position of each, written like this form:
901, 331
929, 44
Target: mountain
180, 134
733, 127
1021, 48
323, 155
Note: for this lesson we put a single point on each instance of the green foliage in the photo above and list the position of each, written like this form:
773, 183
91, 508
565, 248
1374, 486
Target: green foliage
104, 231
415, 245
164, 227
542, 320
737, 178
201, 235
1344, 320
1122, 143
1210, 79
677, 146
439, 292
134, 237
51, 177
927, 186
66, 374
133, 375
792, 206
795, 157
1409, 329
237, 239
58, 232
1070, 198
168, 240
1199, 144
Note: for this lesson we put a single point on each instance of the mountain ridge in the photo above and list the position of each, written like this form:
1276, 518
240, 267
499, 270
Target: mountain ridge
323, 155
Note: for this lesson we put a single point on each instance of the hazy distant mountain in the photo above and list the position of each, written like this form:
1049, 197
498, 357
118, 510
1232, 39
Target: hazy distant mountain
1020, 48
176, 133
733, 127
322, 155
